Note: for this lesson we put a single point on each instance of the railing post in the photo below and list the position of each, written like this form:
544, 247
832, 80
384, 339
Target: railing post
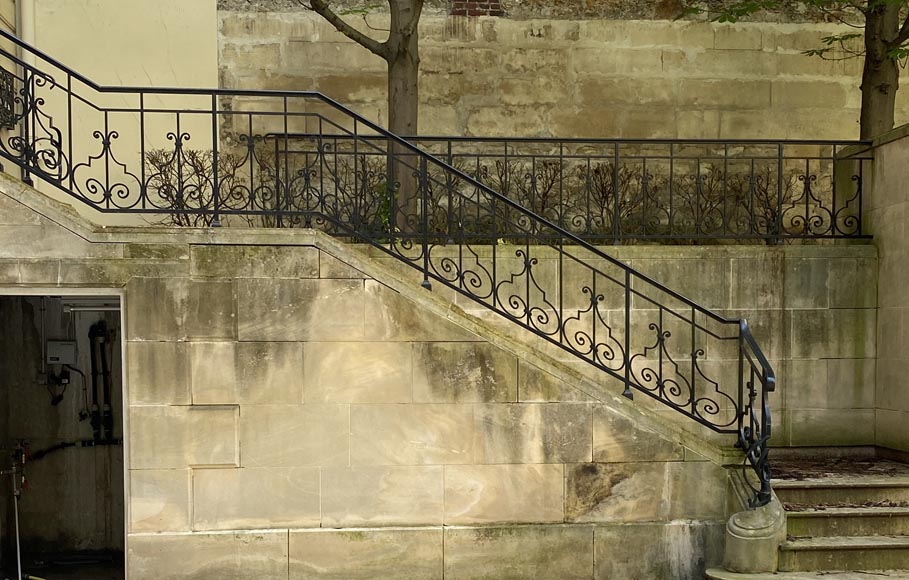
778, 227
28, 102
424, 197
616, 211
627, 392
216, 183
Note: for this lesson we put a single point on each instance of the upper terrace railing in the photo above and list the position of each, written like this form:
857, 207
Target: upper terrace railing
610, 190
210, 157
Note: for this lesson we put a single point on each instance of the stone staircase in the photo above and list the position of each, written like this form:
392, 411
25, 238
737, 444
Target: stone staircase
846, 519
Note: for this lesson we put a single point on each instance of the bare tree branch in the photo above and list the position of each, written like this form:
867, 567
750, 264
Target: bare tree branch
321, 8
902, 37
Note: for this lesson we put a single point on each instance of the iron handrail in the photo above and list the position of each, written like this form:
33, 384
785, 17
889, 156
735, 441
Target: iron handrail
587, 309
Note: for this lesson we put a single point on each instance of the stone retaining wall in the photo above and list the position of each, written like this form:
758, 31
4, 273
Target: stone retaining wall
281, 384
567, 78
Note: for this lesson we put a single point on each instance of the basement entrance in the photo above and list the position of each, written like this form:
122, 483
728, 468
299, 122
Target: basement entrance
61, 438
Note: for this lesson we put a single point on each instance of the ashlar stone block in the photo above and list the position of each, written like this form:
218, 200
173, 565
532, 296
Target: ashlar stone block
538, 386
299, 310
381, 496
357, 372
619, 492
515, 553
179, 437
486, 494
670, 551
391, 316
617, 439
158, 373
294, 435
269, 372
533, 433
159, 500
251, 498
214, 380
221, 261
261, 555
463, 372
411, 434
407, 554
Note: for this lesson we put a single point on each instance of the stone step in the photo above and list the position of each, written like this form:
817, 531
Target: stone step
717, 574
842, 491
845, 553
849, 521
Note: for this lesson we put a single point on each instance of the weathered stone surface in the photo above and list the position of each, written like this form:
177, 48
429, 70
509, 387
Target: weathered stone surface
214, 378
537, 386
299, 310
533, 433
331, 267
159, 500
852, 283
294, 435
222, 261
411, 434
390, 316
801, 273
697, 491
36, 272
256, 498
381, 496
366, 554
358, 372
670, 551
483, 494
209, 310
516, 553
842, 333
823, 427
179, 437
260, 555
616, 492
455, 372
616, 439
269, 372
158, 373
177, 308
154, 308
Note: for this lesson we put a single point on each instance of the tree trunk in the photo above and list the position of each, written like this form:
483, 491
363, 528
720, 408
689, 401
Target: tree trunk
403, 91
880, 75
403, 110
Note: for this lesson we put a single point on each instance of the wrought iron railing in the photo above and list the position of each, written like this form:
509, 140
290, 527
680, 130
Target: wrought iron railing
609, 190
127, 151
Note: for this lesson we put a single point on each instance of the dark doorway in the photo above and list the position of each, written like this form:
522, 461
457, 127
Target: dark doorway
61, 438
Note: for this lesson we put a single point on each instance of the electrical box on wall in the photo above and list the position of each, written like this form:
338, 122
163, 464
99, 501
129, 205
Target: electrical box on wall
61, 352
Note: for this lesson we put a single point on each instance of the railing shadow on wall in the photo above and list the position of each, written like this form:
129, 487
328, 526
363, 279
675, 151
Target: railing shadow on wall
200, 157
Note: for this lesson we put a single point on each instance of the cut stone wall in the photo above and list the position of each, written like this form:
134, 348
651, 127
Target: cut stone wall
812, 310
887, 209
281, 385
567, 78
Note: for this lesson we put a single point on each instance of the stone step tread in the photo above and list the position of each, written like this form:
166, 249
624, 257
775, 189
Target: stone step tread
852, 512
846, 543
840, 482
716, 574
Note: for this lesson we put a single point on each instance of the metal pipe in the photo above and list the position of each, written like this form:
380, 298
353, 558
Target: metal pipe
67, 308
16, 523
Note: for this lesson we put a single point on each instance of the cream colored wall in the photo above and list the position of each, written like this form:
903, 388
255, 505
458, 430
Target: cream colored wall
592, 78
168, 43
887, 208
